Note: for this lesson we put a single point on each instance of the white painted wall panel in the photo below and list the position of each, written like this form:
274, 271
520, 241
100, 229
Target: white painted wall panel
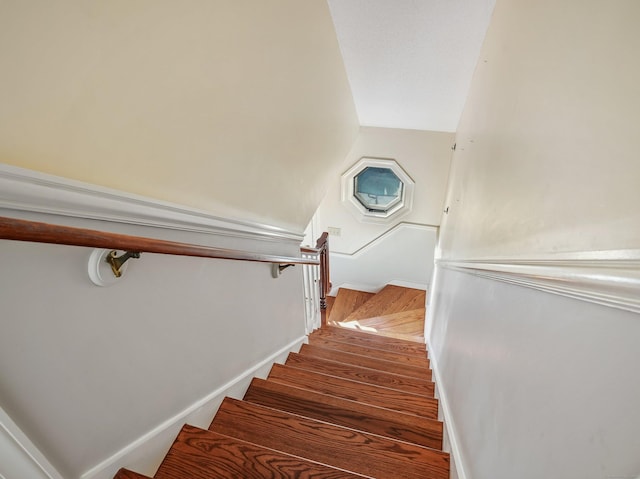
424, 155
539, 385
85, 371
404, 256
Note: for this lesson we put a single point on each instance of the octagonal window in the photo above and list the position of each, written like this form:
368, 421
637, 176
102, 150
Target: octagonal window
377, 189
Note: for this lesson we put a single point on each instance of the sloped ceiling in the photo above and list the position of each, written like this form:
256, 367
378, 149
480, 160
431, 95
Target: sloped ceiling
410, 62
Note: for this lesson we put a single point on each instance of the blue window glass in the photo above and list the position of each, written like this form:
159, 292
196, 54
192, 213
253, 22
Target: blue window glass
378, 189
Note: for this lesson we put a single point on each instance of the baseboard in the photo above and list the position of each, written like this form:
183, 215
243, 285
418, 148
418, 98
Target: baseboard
457, 461
368, 288
145, 453
409, 284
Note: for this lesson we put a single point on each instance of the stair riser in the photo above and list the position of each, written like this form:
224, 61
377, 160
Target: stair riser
371, 341
365, 362
338, 411
418, 405
343, 448
368, 376
369, 352
205, 455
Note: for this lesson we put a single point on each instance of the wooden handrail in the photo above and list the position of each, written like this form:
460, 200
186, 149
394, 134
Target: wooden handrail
23, 230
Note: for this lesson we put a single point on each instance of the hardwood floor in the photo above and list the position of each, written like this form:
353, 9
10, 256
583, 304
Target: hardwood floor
394, 312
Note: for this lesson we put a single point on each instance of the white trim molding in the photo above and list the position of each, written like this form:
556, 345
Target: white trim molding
402, 255
447, 416
156, 443
358, 210
20, 457
382, 237
23, 190
609, 278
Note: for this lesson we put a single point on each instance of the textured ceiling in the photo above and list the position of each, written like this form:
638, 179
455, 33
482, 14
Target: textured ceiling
410, 62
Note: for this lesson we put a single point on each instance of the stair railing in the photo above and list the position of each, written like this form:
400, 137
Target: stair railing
315, 261
316, 283
318, 280
24, 230
325, 283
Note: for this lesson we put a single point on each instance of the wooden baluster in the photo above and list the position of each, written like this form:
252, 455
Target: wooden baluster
325, 284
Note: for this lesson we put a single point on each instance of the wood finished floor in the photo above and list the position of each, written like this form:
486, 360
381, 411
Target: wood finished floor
394, 312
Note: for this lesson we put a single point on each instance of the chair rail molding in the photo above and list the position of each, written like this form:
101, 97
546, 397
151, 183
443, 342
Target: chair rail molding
610, 278
28, 191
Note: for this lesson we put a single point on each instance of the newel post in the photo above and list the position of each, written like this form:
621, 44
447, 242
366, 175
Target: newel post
325, 283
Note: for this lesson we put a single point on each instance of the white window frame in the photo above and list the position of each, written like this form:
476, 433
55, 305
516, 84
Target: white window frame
361, 212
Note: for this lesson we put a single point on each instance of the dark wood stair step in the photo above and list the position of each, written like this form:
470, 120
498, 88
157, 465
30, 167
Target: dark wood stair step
372, 341
399, 358
415, 404
344, 448
365, 362
360, 374
201, 454
343, 412
127, 474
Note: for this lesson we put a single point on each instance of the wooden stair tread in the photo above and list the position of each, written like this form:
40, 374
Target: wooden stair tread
356, 402
383, 341
361, 374
199, 454
407, 325
347, 301
372, 341
415, 404
396, 321
343, 412
366, 362
127, 474
348, 449
399, 358
390, 299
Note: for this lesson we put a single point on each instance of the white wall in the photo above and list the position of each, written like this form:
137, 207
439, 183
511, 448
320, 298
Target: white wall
210, 104
543, 192
103, 377
546, 157
538, 385
85, 371
425, 156
402, 256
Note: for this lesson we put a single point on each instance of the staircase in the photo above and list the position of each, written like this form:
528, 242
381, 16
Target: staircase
356, 401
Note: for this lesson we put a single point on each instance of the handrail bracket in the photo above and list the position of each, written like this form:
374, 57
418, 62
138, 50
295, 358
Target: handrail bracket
117, 262
278, 268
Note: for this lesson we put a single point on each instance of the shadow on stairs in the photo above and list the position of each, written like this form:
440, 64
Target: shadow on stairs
350, 404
